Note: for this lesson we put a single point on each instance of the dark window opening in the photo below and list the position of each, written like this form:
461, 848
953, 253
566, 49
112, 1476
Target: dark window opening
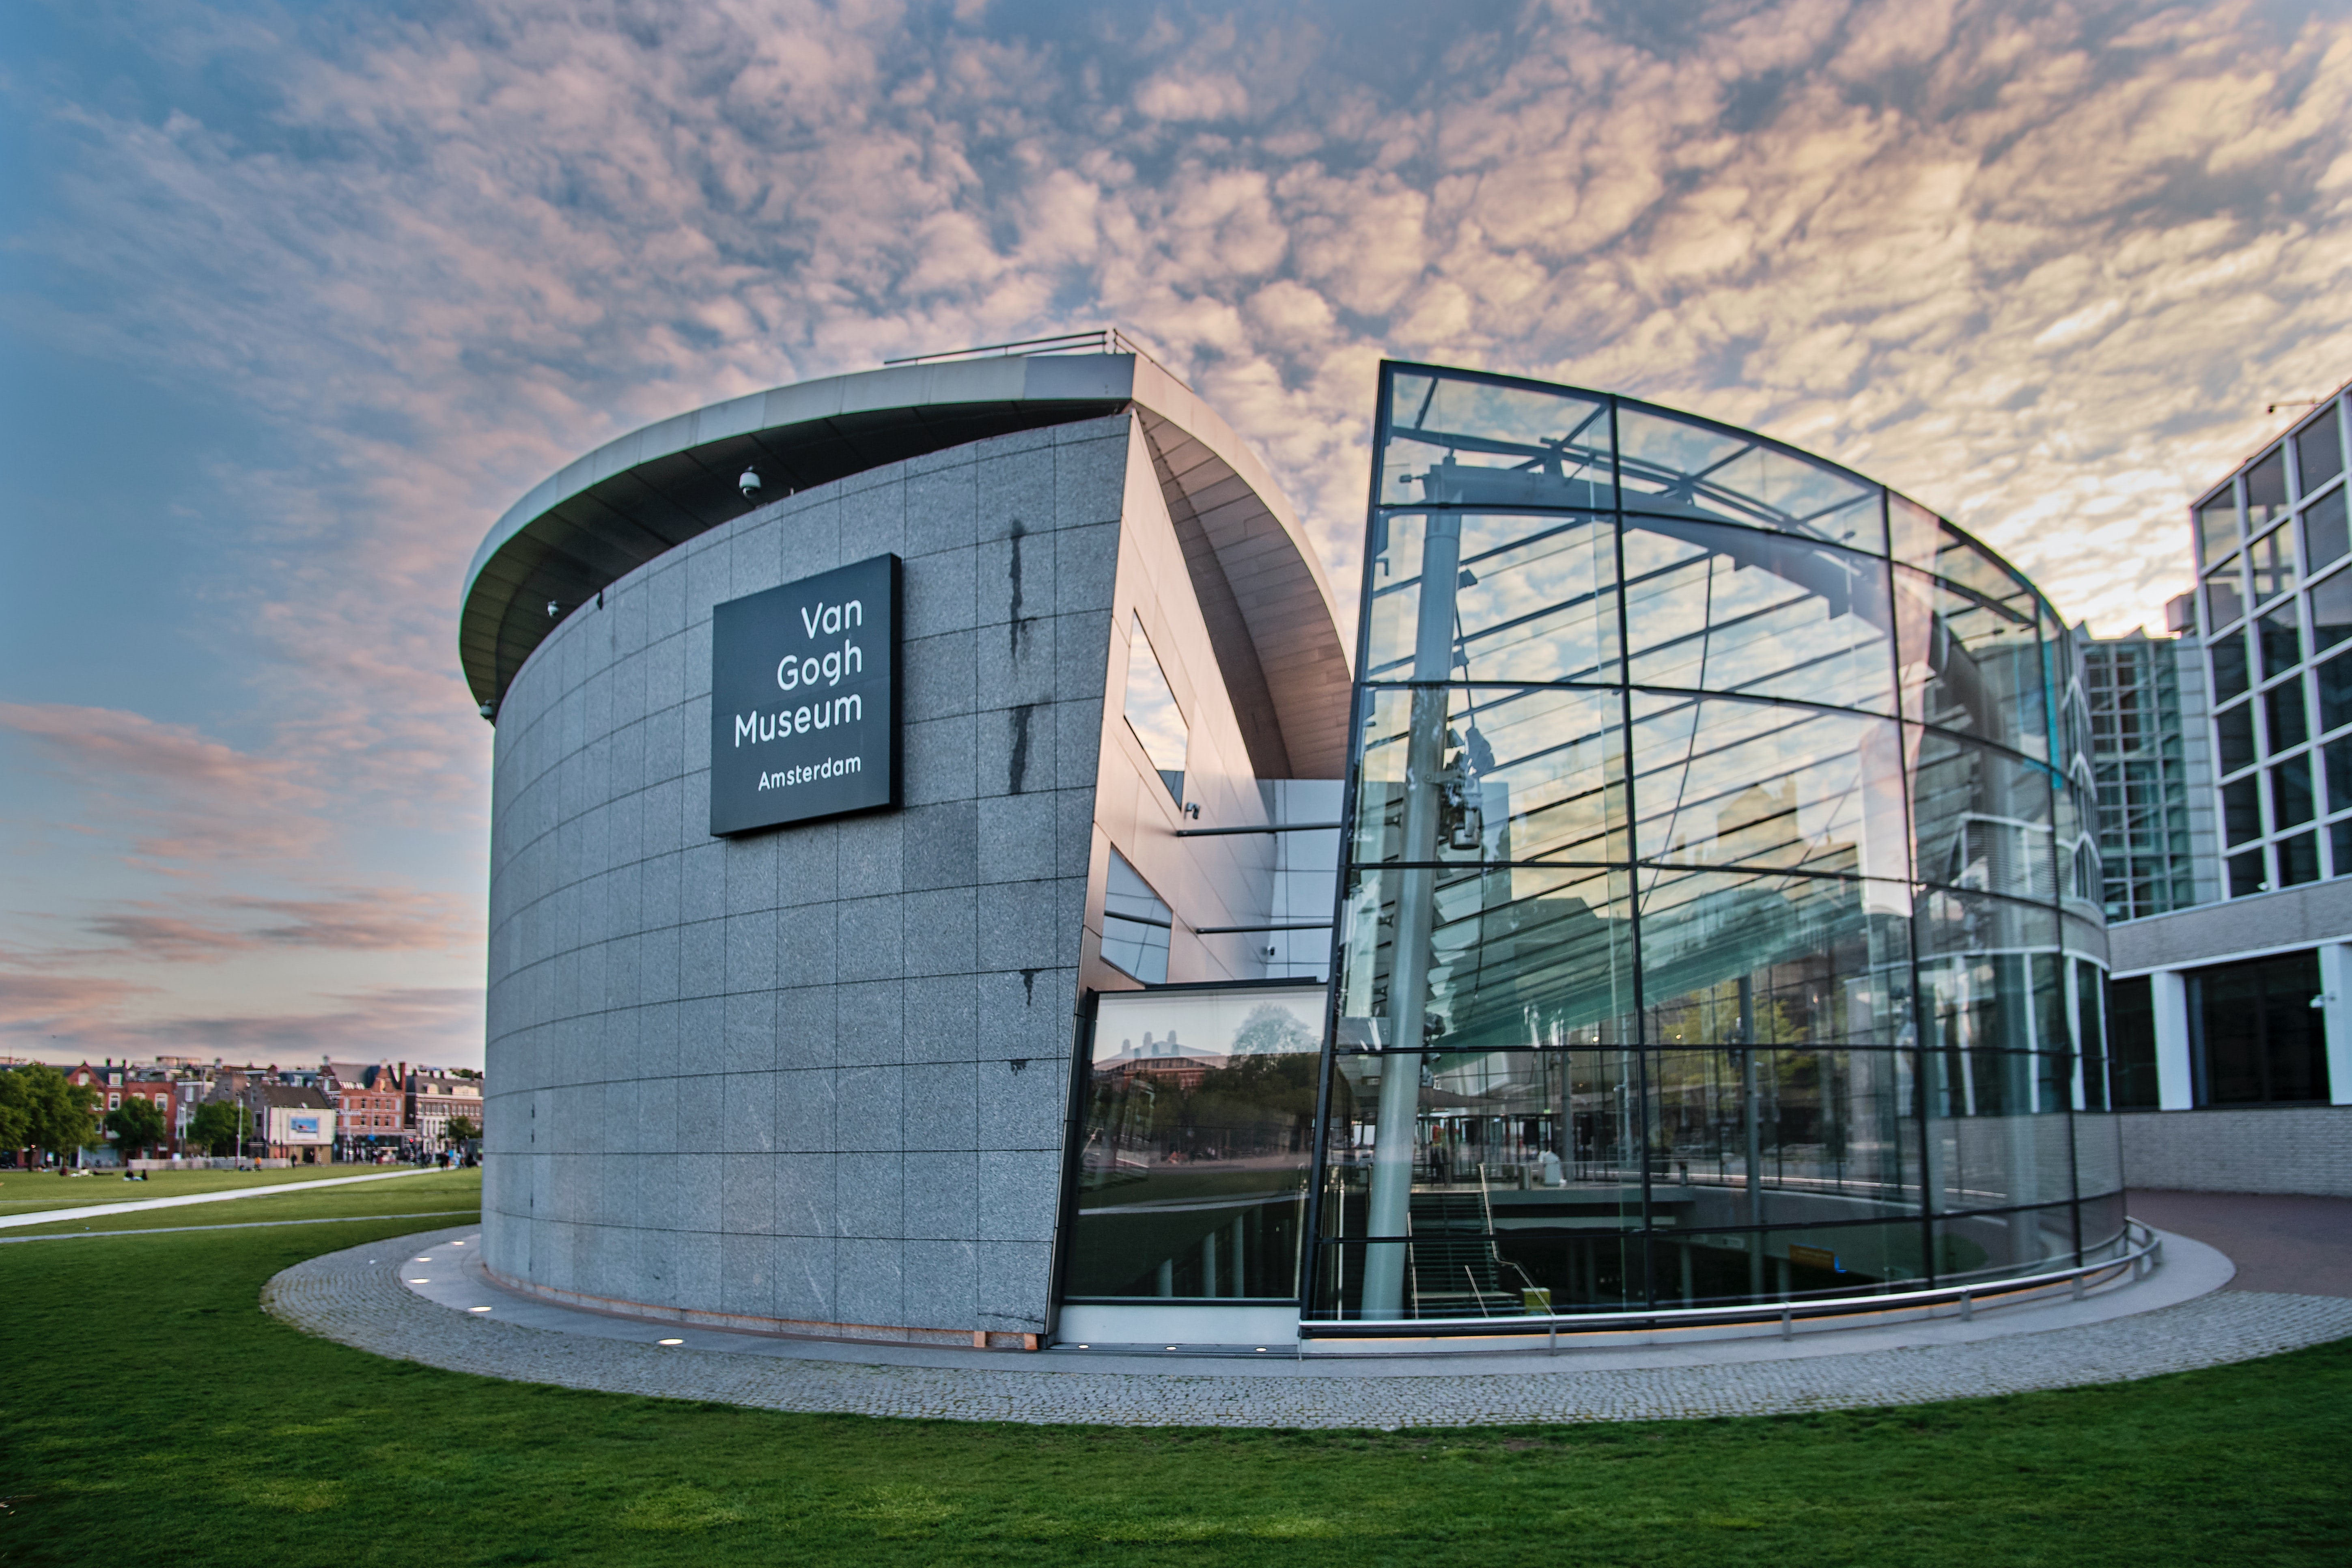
2256, 1035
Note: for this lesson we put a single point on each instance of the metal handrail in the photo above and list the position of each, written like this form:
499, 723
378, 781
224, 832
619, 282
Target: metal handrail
2144, 1254
1097, 340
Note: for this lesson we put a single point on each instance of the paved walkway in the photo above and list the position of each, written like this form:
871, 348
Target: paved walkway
54, 1216
2292, 1244
452, 1316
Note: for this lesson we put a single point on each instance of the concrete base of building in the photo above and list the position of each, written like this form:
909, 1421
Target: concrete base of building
425, 1298
2282, 1149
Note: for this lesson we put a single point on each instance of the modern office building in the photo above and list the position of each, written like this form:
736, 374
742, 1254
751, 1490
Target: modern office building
2239, 1010
950, 881
2159, 850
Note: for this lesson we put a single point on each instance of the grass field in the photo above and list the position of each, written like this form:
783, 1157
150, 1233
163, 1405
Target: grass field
152, 1413
22, 1191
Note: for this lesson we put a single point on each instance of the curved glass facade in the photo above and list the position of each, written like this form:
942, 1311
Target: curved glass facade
1719, 911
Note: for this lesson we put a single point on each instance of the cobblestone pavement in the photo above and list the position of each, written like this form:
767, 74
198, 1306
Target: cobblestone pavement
356, 1296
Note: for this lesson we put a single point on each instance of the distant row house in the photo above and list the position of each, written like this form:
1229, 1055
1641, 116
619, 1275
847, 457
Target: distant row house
336, 1112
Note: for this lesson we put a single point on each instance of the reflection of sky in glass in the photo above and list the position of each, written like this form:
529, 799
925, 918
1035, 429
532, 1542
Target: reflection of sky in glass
1150, 706
1214, 1023
1728, 609
1680, 467
1531, 600
1528, 445
1723, 783
1552, 787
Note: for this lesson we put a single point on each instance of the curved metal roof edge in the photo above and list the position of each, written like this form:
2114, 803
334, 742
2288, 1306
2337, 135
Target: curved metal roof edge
1056, 378
1134, 380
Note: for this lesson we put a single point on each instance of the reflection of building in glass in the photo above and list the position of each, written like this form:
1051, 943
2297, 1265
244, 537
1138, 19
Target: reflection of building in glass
1721, 915
2240, 1012
2148, 752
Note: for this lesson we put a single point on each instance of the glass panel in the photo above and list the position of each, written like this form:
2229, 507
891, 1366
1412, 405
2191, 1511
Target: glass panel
1674, 466
2320, 451
2254, 1037
2242, 812
1970, 663
2103, 1214
2229, 673
2248, 874
1700, 1264
2324, 534
2280, 641
1453, 441
2290, 793
2339, 776
2269, 562
1987, 1246
1135, 924
2091, 1032
2131, 1022
1195, 1144
1986, 1148
2235, 728
2266, 491
2331, 610
2284, 719
1982, 818
1530, 775
2223, 602
1731, 609
2217, 525
1824, 1133
2335, 681
1151, 711
2339, 844
1519, 957
1975, 981
1914, 533
1718, 781
1531, 599
1525, 1167
1813, 960
2298, 860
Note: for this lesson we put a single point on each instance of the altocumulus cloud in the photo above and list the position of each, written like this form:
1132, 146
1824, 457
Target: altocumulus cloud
2040, 265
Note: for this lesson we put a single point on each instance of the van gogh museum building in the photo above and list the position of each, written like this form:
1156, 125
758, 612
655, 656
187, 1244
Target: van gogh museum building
959, 874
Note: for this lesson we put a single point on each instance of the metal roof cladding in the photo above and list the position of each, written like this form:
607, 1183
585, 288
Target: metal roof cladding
1269, 607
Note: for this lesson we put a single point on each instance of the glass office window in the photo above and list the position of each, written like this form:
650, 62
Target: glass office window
2325, 535
2131, 1031
2266, 491
2217, 526
2320, 451
2269, 565
2225, 600
2331, 609
2254, 1037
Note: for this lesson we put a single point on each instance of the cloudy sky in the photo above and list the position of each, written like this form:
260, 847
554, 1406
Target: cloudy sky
296, 299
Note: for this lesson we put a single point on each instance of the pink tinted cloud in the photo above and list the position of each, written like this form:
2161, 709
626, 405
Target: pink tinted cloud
184, 797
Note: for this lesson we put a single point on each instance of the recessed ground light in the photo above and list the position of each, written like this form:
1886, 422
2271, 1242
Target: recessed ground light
420, 1281
669, 1341
477, 1309
424, 1260
1172, 1347
1261, 1349
1086, 1347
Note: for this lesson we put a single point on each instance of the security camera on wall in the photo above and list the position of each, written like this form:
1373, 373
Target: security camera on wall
750, 483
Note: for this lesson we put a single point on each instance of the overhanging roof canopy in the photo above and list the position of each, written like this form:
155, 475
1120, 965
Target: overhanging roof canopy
1269, 608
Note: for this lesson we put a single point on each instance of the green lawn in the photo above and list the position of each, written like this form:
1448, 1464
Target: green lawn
153, 1412
23, 1191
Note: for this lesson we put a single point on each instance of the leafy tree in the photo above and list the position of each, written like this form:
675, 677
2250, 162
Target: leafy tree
220, 1125
16, 1112
136, 1124
55, 1113
461, 1128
